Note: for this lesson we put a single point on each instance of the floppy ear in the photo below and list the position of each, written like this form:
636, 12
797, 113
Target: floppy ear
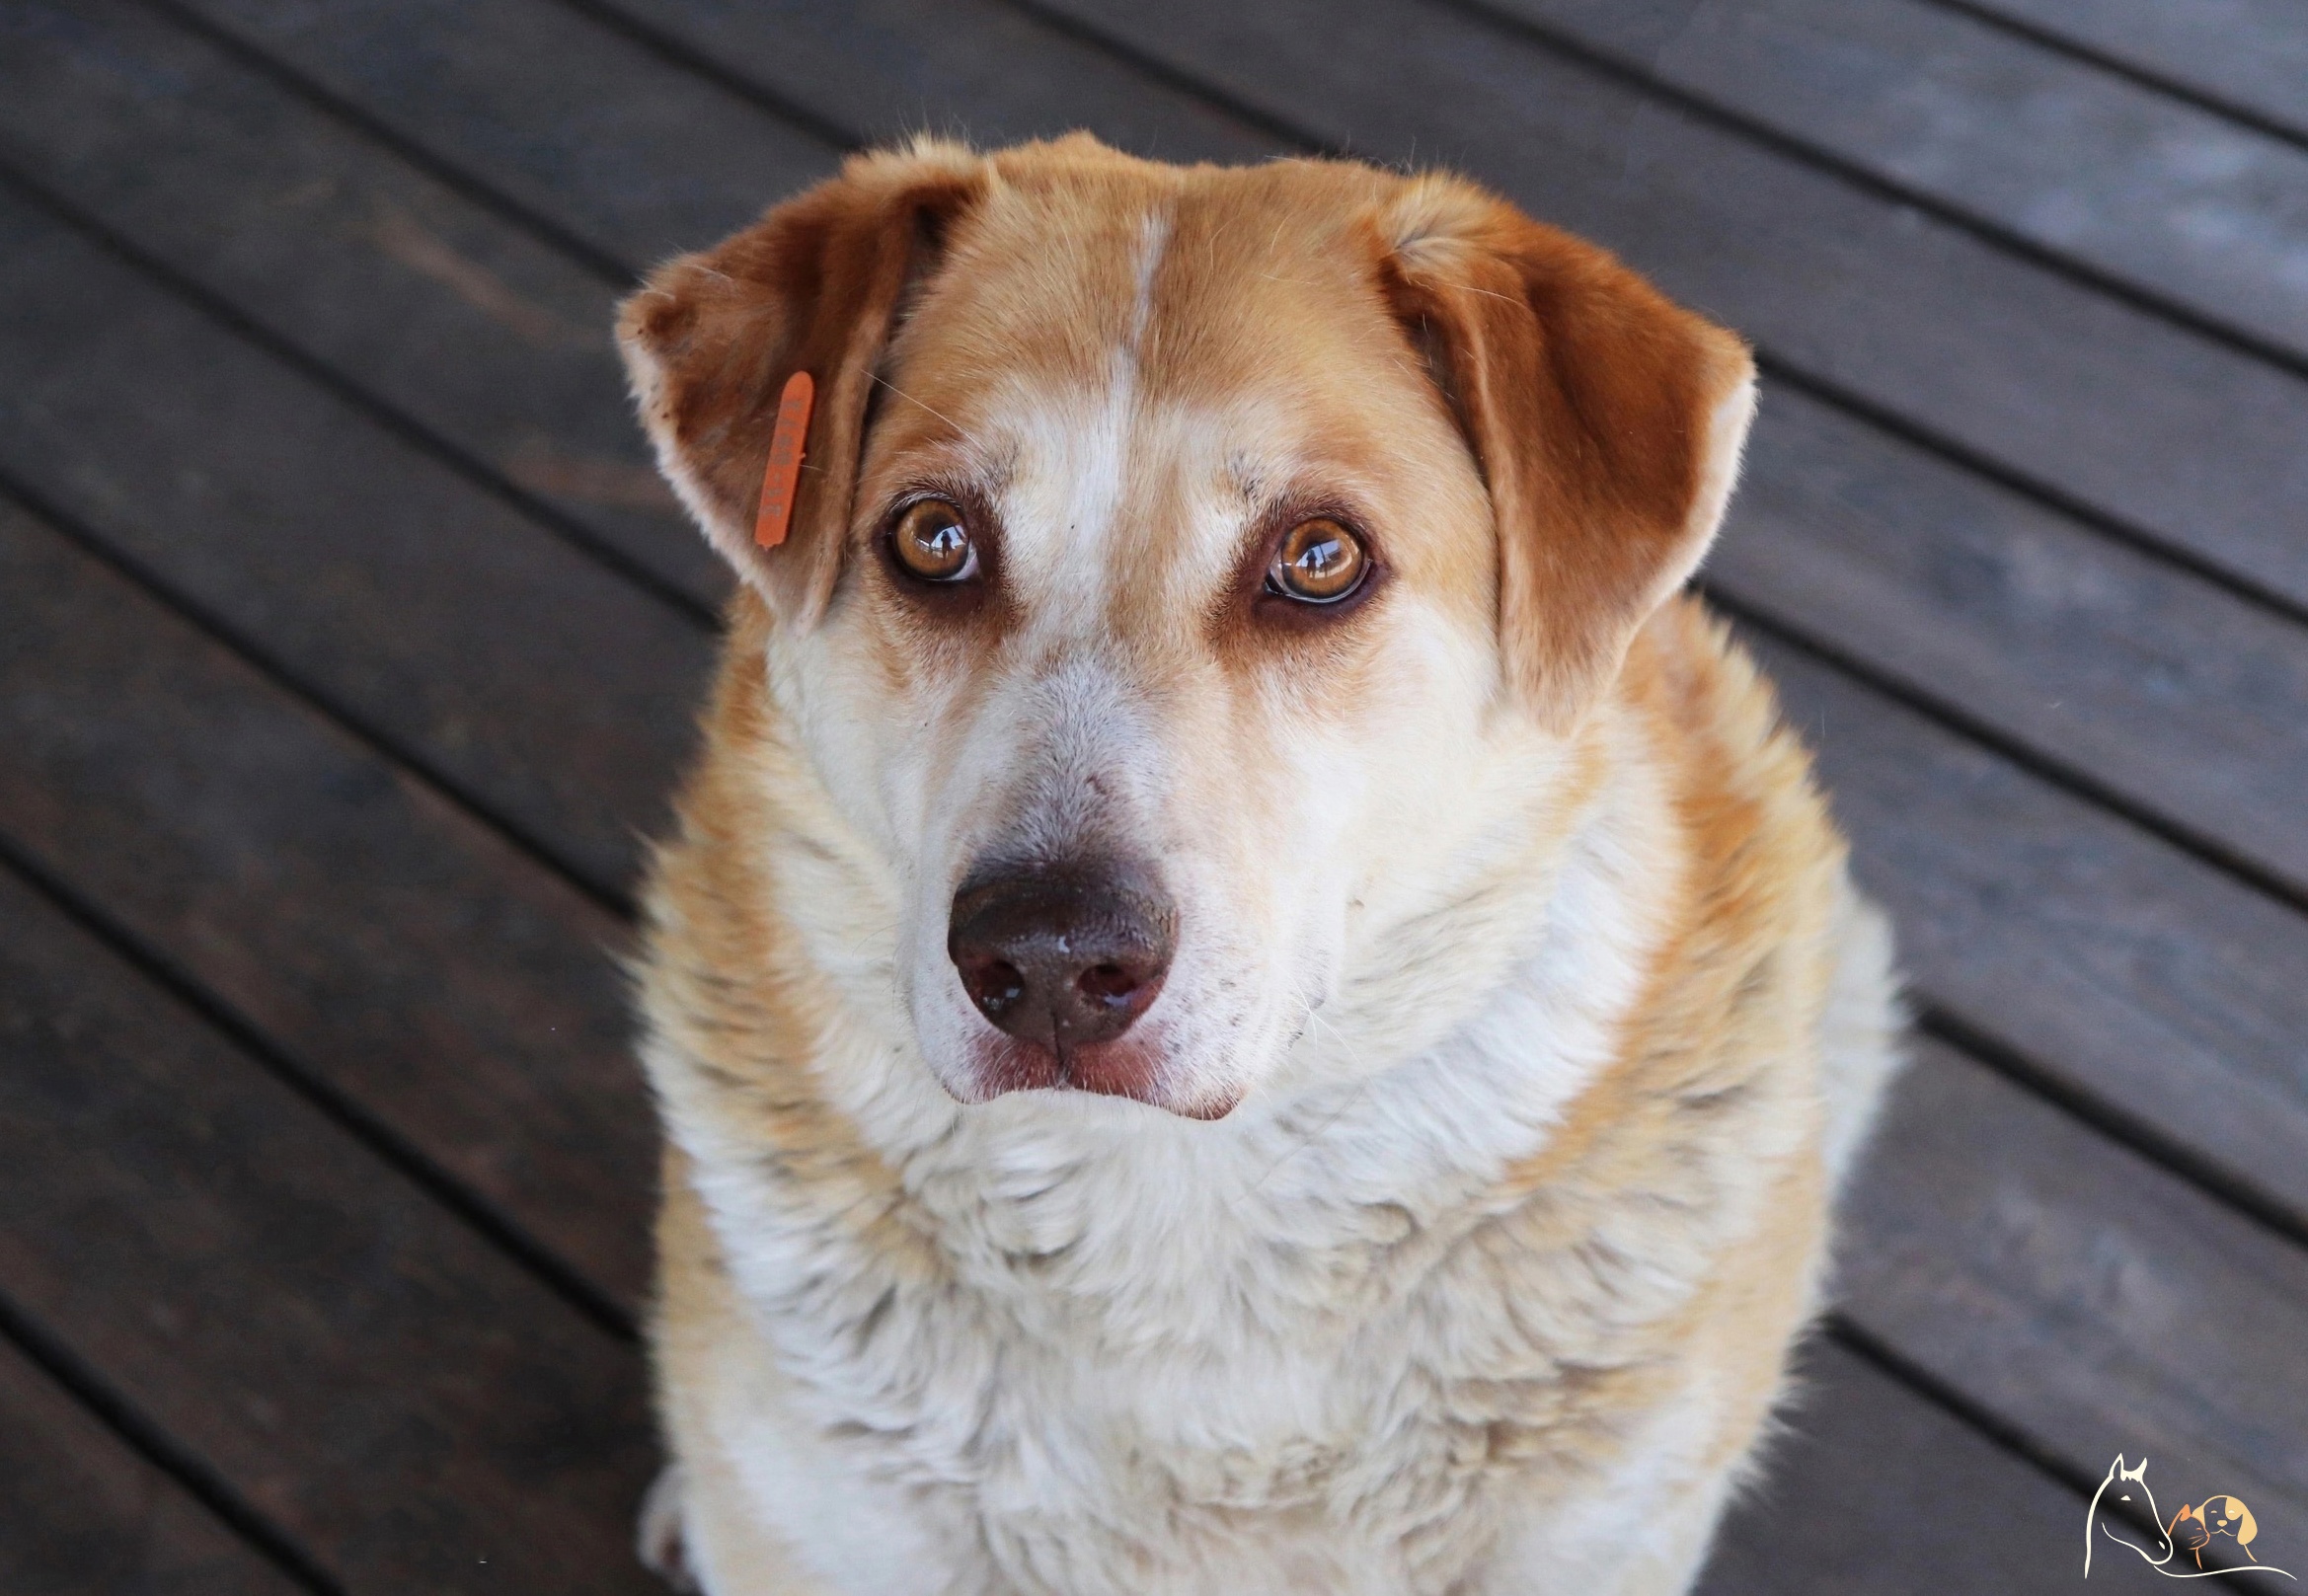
1608, 422
815, 285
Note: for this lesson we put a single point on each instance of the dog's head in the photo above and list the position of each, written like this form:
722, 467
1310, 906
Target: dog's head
1198, 577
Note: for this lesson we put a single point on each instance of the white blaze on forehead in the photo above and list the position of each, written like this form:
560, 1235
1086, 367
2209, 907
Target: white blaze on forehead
1153, 238
1076, 452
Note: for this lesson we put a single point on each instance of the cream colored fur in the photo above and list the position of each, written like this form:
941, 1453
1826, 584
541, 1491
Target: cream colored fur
1540, 1051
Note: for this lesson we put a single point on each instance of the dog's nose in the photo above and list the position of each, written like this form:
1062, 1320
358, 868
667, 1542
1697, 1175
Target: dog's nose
1062, 957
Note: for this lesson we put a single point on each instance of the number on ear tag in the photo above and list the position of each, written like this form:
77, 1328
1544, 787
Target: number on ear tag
784, 475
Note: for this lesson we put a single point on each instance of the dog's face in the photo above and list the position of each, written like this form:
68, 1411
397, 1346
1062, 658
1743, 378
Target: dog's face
1200, 575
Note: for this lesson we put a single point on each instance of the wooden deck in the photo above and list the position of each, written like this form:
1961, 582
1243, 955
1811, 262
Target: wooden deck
348, 645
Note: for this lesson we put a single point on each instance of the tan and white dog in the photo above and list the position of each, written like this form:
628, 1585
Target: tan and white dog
1244, 998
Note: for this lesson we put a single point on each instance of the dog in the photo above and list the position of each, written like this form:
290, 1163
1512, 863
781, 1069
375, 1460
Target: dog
1244, 996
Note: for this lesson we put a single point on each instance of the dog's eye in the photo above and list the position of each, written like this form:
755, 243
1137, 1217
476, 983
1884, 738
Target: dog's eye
1319, 562
931, 541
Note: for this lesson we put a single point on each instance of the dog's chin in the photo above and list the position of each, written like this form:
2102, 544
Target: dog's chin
1140, 1071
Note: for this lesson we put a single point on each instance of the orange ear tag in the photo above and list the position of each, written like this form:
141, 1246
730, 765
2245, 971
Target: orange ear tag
785, 460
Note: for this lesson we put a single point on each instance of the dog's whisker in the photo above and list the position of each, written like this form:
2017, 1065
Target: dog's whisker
909, 399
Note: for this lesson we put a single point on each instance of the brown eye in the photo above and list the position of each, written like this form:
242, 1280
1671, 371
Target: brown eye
930, 540
1319, 562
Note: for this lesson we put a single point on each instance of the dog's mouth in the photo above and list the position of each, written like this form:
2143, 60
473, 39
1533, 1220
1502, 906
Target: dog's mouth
1132, 1067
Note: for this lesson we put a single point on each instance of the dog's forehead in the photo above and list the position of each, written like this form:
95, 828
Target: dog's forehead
1207, 274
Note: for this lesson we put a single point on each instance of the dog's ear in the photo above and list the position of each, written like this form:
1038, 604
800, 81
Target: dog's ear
815, 285
1606, 421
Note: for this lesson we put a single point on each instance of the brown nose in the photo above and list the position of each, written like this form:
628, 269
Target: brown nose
1062, 957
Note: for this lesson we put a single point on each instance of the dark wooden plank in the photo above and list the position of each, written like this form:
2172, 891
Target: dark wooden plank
555, 694
2079, 1292
399, 952
2251, 54
85, 1515
412, 1411
2177, 201
629, 152
2188, 702
1874, 1492
2129, 972
978, 69
466, 323
2150, 425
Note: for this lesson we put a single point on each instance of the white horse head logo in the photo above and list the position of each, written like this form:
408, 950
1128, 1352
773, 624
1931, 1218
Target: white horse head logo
2127, 1488
2128, 1501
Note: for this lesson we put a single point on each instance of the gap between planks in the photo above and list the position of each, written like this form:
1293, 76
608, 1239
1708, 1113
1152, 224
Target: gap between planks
1567, 46
593, 1303
611, 897
154, 1445
618, 274
394, 420
2133, 72
2048, 769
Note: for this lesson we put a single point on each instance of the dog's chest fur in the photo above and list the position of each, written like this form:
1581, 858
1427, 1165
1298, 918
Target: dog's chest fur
1334, 1342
